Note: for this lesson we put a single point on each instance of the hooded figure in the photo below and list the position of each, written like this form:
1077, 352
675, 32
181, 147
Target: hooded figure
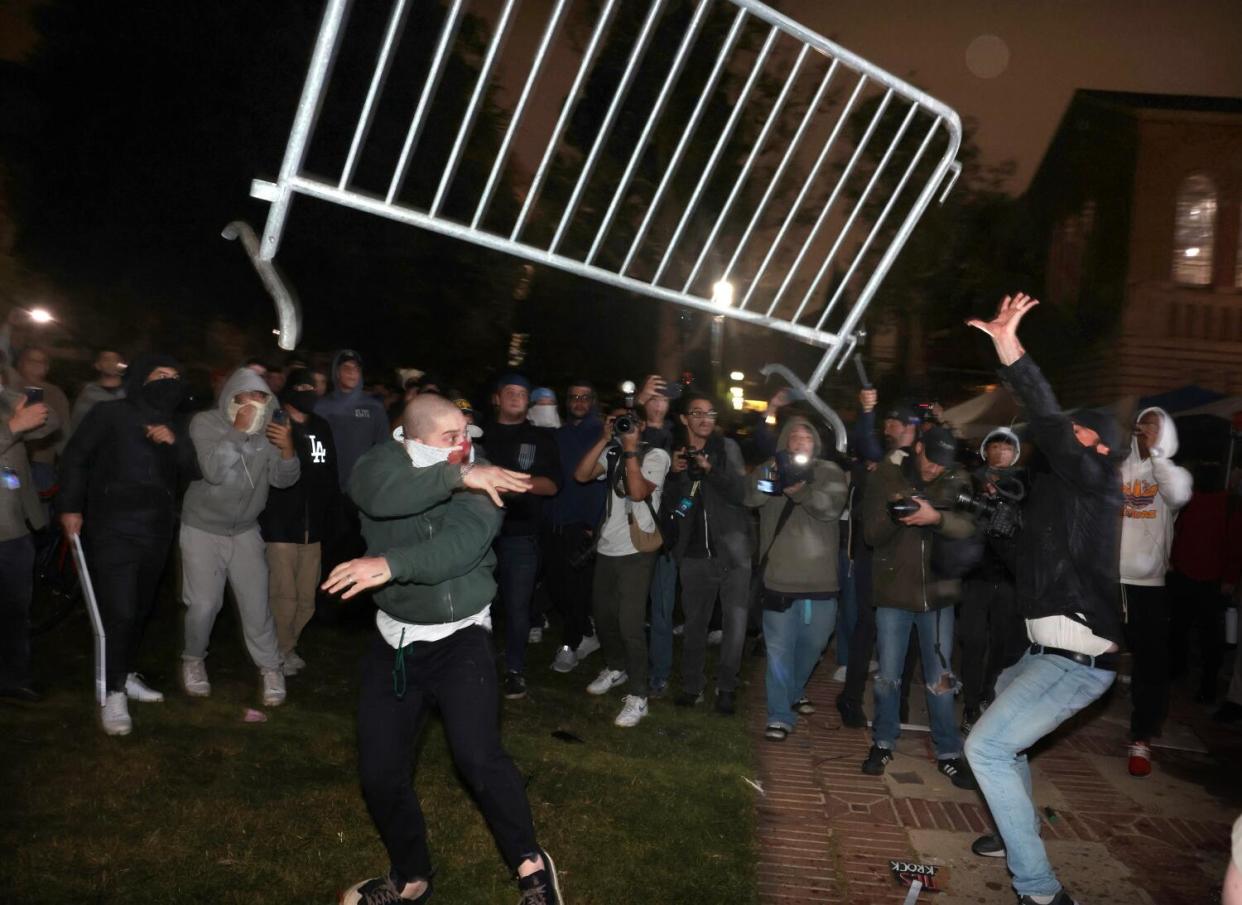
220, 531
358, 421
119, 476
1155, 490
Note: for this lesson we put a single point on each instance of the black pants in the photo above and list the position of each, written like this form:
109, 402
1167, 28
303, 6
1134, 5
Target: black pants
1147, 635
862, 642
457, 676
1201, 606
569, 586
125, 573
16, 588
991, 637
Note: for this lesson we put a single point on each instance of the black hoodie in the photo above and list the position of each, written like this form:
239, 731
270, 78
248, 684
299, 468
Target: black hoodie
111, 472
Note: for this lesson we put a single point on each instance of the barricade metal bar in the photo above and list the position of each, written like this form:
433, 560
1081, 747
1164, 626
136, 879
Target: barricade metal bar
549, 34
597, 35
725, 135
836, 190
618, 97
794, 144
811, 176
395, 23
858, 207
760, 143
640, 146
447, 32
304, 121
879, 222
722, 57
480, 88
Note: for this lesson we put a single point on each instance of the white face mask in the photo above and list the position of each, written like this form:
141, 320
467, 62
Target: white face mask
544, 416
422, 455
257, 424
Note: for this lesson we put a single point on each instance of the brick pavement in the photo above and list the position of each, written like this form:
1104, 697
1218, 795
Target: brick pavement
827, 831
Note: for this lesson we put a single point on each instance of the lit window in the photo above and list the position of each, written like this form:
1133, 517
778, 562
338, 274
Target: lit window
1193, 232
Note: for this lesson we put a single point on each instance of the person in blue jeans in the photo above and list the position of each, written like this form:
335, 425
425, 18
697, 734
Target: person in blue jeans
1066, 562
912, 588
800, 496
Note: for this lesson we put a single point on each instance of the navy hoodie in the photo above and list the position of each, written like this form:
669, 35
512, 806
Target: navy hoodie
358, 422
577, 503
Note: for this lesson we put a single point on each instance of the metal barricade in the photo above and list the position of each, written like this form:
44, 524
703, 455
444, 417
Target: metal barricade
825, 158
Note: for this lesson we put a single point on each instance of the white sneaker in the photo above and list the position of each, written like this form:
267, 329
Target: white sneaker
273, 688
679, 630
115, 714
292, 659
535, 635
587, 646
139, 690
194, 677
839, 675
634, 710
565, 660
607, 680
715, 637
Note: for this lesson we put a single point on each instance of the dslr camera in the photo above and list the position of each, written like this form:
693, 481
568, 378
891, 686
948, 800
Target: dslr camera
787, 470
623, 424
694, 471
906, 505
999, 513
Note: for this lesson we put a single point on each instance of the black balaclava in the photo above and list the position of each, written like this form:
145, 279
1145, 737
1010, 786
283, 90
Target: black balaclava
158, 399
302, 400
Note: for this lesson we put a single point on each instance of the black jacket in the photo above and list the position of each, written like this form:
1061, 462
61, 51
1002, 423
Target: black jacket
298, 514
1067, 554
118, 479
720, 502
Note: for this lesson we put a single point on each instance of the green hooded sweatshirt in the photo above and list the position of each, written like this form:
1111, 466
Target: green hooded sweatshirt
402, 509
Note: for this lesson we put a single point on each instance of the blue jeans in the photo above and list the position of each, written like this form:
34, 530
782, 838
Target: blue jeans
663, 598
517, 566
892, 637
795, 639
847, 613
1033, 697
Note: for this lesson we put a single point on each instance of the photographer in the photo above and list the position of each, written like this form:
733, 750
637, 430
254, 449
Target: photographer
800, 497
713, 549
655, 397
635, 475
911, 525
1066, 574
990, 632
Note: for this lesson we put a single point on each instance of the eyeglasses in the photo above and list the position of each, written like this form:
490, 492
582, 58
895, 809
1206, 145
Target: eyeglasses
711, 416
581, 397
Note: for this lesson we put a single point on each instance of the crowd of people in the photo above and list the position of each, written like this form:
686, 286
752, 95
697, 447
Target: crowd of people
618, 511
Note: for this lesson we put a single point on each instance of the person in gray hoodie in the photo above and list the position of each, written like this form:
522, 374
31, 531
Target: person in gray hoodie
800, 497
108, 388
241, 452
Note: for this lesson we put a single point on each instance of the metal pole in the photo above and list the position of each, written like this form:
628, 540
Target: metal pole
97, 628
396, 23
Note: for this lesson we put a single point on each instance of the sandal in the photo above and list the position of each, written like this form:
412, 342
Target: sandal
775, 733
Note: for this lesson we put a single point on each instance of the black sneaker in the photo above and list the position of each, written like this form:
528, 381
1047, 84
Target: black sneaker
1063, 898
803, 706
851, 714
989, 846
381, 891
542, 887
877, 759
688, 699
970, 716
726, 703
957, 770
515, 686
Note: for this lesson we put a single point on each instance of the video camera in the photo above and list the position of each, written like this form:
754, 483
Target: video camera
788, 469
999, 513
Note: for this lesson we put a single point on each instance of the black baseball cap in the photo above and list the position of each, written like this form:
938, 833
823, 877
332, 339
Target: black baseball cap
903, 412
939, 446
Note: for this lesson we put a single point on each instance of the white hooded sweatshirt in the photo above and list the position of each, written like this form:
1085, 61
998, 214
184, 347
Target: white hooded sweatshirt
1155, 490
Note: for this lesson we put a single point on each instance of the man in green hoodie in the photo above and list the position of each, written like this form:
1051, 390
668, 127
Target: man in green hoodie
430, 545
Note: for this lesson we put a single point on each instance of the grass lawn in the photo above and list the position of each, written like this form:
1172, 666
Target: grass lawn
199, 807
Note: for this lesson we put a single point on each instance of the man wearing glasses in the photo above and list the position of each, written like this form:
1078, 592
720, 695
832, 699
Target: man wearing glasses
713, 549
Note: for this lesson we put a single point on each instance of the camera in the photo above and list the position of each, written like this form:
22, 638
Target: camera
999, 513
789, 469
694, 471
900, 508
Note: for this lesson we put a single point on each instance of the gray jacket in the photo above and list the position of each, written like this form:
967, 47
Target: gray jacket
237, 467
91, 395
720, 502
20, 509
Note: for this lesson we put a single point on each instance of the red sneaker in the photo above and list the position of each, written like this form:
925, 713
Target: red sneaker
1140, 759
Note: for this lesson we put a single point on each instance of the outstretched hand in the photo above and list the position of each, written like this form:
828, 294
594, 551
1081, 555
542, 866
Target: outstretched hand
1003, 328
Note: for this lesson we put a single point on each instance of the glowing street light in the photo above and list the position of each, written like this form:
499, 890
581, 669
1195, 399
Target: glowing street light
41, 316
722, 293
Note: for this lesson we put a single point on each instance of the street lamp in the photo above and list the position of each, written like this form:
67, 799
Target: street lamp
736, 375
41, 315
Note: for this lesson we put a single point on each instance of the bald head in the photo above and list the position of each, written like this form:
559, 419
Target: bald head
433, 420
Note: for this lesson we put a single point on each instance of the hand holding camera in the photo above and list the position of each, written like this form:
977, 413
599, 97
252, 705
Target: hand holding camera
913, 511
27, 416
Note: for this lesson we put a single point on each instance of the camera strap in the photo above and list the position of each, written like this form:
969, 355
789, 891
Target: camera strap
780, 523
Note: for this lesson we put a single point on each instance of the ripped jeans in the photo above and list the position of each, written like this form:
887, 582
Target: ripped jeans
935, 630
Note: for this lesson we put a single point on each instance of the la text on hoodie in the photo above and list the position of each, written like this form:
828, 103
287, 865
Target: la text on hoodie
358, 422
1155, 490
237, 467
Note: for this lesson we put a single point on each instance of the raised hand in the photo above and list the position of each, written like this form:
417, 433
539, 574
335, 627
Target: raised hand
1003, 328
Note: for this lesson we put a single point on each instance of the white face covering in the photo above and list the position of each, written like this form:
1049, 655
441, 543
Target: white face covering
544, 416
422, 455
257, 424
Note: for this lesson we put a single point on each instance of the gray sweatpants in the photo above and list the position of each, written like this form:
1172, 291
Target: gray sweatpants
207, 561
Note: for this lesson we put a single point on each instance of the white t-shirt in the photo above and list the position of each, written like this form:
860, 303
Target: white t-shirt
614, 536
398, 633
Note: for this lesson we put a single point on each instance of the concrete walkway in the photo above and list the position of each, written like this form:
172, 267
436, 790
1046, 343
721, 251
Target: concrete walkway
828, 832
